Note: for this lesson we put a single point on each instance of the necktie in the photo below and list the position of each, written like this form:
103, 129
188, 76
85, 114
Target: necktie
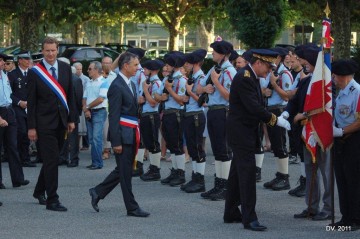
53, 72
25, 73
130, 88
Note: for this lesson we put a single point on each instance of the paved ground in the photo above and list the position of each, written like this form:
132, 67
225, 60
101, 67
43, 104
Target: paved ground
174, 214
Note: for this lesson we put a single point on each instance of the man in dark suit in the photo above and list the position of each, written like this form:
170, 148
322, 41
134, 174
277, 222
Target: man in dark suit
71, 144
245, 114
124, 136
19, 86
50, 115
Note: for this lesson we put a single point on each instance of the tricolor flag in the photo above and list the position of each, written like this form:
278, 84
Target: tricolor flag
326, 32
318, 105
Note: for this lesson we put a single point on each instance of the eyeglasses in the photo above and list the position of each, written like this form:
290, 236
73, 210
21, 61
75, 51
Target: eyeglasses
8, 63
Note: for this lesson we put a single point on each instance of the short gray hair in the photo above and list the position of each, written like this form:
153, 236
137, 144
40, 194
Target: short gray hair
98, 66
77, 64
126, 57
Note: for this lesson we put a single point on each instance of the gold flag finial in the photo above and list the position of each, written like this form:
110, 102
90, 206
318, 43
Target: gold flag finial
327, 10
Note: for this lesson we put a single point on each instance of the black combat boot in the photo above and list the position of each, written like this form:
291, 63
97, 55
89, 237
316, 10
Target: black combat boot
272, 182
258, 174
180, 179
282, 184
190, 183
221, 193
216, 188
173, 174
198, 186
153, 174
299, 191
139, 169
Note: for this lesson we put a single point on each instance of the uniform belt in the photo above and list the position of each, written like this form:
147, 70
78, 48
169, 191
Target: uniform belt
276, 107
149, 113
5, 107
171, 111
218, 107
187, 114
97, 109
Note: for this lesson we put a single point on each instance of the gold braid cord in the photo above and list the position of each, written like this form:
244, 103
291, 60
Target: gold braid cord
273, 120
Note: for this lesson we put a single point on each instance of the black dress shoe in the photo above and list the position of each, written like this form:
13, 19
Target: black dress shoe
94, 199
23, 183
28, 164
304, 214
56, 207
2, 186
73, 164
321, 216
0, 204
89, 166
255, 226
41, 198
95, 167
138, 213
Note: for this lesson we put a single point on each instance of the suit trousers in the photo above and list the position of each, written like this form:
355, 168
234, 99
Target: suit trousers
242, 184
50, 143
8, 133
121, 174
23, 141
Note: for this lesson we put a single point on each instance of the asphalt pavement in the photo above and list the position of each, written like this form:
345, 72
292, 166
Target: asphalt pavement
174, 214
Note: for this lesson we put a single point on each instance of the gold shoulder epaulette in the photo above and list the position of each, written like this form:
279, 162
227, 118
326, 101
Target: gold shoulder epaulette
247, 73
272, 121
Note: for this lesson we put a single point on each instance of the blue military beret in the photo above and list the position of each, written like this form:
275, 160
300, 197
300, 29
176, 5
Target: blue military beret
280, 50
196, 56
24, 54
234, 55
299, 50
137, 51
344, 67
247, 55
265, 55
175, 59
311, 54
222, 47
153, 65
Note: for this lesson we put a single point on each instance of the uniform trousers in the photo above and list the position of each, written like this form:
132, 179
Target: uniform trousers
9, 135
23, 141
172, 130
347, 168
277, 136
149, 128
50, 142
216, 124
194, 126
121, 174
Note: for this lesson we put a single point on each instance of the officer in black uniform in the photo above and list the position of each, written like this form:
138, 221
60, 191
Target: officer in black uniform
19, 87
245, 114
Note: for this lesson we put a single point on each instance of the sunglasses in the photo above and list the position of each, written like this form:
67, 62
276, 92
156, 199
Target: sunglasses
8, 63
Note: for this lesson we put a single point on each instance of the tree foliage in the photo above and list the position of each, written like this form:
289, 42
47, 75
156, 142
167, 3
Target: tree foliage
257, 23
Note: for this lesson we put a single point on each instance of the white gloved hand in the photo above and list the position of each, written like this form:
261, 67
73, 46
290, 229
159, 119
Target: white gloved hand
337, 132
285, 115
283, 123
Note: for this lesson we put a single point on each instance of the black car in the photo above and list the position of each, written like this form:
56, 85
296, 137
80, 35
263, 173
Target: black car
85, 55
115, 46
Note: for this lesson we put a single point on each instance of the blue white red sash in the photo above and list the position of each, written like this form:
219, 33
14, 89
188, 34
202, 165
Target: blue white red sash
52, 83
132, 122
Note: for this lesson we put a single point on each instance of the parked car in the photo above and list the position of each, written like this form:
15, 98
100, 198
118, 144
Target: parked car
115, 46
85, 55
64, 46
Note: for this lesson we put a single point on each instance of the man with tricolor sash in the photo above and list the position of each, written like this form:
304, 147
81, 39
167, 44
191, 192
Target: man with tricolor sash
124, 136
51, 116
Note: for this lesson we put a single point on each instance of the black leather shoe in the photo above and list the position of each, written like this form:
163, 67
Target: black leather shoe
90, 166
56, 207
138, 213
255, 226
321, 216
23, 183
95, 168
28, 164
304, 214
2, 186
41, 198
73, 164
94, 199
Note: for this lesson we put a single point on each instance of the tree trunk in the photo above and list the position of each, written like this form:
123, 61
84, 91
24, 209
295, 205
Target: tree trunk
341, 28
206, 34
28, 25
174, 29
77, 33
121, 33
